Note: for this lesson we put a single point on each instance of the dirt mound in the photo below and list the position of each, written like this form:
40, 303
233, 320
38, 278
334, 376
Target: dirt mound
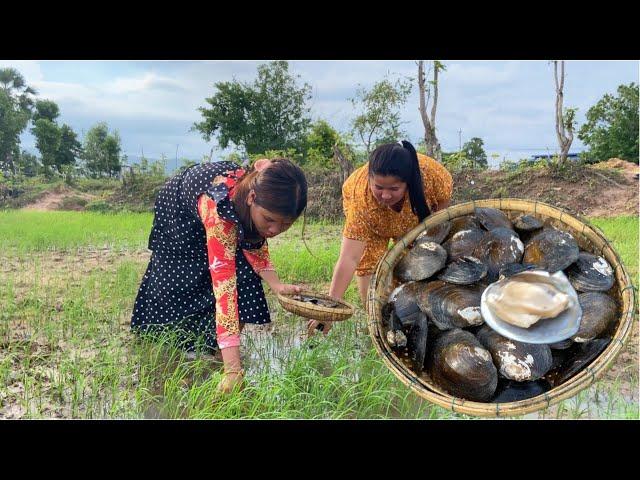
589, 191
629, 170
62, 198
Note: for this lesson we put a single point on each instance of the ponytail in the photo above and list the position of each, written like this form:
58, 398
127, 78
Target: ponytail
416, 188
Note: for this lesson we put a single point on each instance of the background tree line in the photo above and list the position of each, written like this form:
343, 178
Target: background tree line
271, 117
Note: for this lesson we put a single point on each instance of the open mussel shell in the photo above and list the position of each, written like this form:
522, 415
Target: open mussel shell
527, 223
498, 248
417, 342
551, 250
545, 330
421, 262
463, 243
513, 268
598, 310
451, 306
404, 301
459, 364
517, 361
491, 218
464, 271
578, 357
590, 274
435, 234
510, 391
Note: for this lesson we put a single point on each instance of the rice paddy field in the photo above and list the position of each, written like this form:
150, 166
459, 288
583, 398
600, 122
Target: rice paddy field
68, 281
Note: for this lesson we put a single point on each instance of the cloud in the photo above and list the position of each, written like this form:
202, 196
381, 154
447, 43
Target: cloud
146, 83
509, 104
29, 69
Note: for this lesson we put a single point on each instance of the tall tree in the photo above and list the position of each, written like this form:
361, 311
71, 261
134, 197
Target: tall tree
379, 120
474, 151
47, 135
70, 149
102, 151
46, 109
16, 104
270, 114
564, 119
429, 121
611, 129
319, 144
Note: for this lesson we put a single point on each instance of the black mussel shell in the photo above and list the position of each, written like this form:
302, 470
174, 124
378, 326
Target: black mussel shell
459, 364
578, 357
561, 345
513, 268
463, 243
421, 262
590, 274
417, 342
498, 248
551, 250
435, 234
464, 271
598, 311
404, 300
491, 218
527, 223
468, 222
511, 391
451, 306
517, 361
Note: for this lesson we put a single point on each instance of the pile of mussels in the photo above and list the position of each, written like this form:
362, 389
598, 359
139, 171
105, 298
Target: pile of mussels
433, 318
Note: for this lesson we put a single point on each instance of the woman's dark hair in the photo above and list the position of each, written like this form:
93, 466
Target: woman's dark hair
280, 188
401, 160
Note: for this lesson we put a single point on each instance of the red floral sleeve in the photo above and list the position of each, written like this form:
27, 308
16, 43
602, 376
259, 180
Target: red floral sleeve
259, 258
221, 249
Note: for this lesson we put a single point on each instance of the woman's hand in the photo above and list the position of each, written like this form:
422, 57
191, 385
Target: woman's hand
285, 288
231, 380
233, 371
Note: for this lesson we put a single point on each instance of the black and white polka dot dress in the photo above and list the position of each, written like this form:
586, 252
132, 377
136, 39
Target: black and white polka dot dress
176, 293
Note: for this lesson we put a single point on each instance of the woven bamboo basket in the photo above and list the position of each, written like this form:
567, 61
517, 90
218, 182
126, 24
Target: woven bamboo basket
317, 312
588, 237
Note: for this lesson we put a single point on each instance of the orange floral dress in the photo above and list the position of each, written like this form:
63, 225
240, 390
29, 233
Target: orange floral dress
375, 224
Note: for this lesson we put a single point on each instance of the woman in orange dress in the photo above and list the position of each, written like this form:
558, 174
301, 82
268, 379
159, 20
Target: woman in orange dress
382, 201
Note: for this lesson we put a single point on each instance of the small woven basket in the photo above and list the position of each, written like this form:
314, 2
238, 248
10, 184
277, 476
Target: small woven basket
316, 312
588, 237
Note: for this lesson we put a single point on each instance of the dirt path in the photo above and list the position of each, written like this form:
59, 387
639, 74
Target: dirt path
56, 200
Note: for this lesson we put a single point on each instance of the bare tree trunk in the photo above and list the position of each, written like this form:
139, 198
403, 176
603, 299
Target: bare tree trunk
346, 167
565, 135
431, 142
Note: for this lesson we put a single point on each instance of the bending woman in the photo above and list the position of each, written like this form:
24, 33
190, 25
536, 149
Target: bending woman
210, 253
383, 200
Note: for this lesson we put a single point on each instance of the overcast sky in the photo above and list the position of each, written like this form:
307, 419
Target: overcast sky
153, 104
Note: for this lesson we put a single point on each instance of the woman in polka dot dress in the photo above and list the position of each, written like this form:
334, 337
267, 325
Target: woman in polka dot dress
210, 253
383, 200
